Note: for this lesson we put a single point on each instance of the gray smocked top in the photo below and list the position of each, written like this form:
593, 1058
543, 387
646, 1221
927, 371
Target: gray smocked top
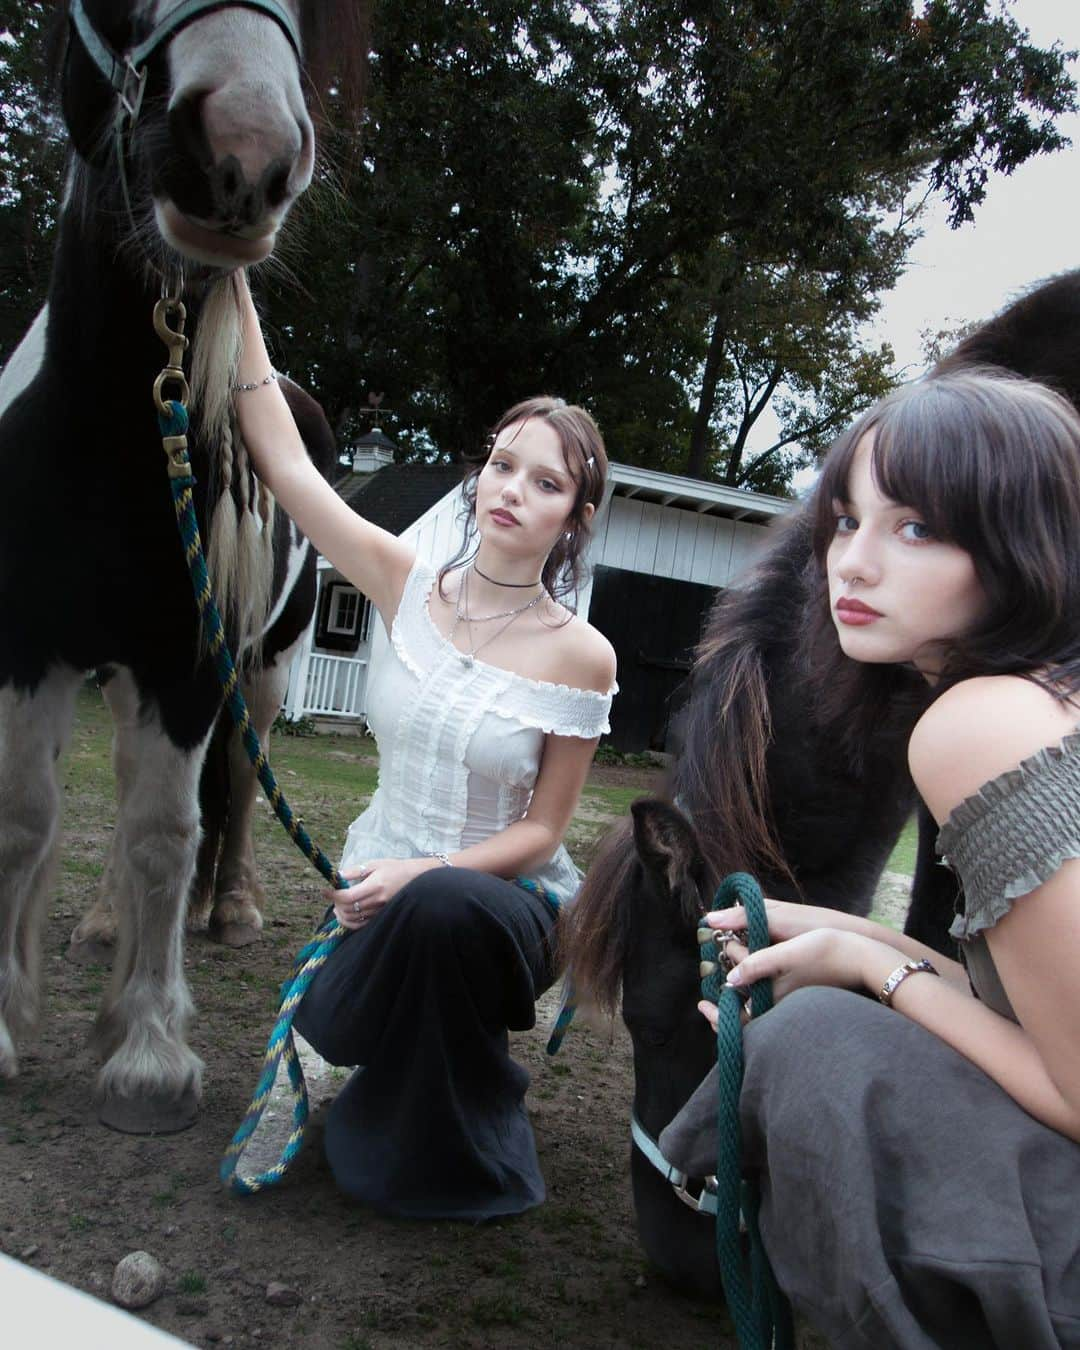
1003, 842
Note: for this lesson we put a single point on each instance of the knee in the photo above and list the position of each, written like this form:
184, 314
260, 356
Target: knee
436, 904
823, 1018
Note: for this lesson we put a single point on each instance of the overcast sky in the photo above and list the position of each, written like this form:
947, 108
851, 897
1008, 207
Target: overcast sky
1027, 229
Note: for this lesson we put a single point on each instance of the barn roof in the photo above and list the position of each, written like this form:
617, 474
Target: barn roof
398, 494
695, 494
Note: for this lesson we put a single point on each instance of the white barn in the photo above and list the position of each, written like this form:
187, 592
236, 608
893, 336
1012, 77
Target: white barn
662, 546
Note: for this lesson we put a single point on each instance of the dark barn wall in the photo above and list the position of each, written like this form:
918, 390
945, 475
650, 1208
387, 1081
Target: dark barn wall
654, 624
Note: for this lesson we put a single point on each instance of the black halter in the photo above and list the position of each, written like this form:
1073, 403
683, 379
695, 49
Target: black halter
126, 72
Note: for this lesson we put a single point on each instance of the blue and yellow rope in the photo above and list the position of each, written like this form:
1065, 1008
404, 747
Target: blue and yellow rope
280, 1046
758, 1309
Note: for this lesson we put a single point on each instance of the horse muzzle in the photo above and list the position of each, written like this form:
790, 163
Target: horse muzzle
210, 244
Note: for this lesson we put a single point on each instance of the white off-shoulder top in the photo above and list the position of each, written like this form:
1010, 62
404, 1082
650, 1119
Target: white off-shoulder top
459, 744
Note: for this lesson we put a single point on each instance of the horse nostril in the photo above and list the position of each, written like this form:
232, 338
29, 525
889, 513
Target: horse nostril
277, 185
186, 127
230, 179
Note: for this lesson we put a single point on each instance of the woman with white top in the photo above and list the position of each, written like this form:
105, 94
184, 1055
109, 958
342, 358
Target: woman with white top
487, 707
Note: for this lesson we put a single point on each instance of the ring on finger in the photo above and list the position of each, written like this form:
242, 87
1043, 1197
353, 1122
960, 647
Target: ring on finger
356, 907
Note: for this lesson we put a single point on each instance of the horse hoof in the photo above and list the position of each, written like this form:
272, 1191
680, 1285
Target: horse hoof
154, 1113
90, 951
235, 934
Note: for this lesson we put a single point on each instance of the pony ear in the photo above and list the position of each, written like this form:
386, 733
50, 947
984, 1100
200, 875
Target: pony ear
667, 845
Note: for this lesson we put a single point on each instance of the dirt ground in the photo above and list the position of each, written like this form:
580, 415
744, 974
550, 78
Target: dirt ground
75, 1198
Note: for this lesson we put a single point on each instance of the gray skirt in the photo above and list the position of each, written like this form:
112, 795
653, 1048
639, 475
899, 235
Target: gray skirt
907, 1200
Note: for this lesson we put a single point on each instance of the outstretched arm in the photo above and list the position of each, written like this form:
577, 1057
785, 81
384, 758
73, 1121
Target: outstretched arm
373, 559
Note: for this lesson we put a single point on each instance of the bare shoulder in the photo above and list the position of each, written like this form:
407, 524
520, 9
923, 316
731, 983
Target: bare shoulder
977, 730
586, 659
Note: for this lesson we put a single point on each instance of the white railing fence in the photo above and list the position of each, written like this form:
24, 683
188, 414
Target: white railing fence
334, 687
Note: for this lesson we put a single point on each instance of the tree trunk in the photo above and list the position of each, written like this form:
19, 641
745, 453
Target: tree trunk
699, 436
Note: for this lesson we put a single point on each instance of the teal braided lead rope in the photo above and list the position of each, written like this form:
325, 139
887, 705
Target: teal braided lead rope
280, 1046
758, 1309
568, 1006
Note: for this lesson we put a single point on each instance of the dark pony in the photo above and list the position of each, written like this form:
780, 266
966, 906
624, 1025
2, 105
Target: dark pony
218, 147
775, 775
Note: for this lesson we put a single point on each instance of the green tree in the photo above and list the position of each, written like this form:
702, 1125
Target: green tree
781, 139
31, 166
665, 211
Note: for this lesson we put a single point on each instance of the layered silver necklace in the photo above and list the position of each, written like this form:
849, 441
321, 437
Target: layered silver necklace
461, 611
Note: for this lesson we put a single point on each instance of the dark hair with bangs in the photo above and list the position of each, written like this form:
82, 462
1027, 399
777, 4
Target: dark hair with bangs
587, 463
992, 464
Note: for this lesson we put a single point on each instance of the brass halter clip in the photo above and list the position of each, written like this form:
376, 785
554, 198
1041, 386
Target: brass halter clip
170, 305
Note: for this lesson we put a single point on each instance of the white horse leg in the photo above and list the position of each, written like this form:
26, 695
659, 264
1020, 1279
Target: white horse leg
236, 919
93, 940
34, 730
152, 1081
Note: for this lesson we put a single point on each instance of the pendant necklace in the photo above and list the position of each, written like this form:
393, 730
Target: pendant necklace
461, 611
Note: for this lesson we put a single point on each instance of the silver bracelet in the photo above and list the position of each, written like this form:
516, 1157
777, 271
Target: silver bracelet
258, 384
899, 975
441, 857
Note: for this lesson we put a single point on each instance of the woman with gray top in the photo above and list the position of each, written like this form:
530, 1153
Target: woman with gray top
916, 1120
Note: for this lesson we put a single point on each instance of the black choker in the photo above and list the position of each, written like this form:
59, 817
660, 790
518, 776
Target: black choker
510, 585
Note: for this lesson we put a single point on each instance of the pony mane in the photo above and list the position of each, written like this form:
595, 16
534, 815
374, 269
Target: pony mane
720, 779
594, 931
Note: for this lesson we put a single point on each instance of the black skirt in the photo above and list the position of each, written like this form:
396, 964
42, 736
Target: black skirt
433, 1122
907, 1201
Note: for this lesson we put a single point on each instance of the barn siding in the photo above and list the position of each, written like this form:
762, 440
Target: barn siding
670, 541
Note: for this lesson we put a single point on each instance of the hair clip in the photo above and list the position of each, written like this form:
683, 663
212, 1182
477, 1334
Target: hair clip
590, 461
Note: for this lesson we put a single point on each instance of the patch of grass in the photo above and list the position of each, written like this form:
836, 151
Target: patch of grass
568, 1218
79, 1223
902, 858
355, 1341
614, 800
163, 1199
498, 1310
191, 1282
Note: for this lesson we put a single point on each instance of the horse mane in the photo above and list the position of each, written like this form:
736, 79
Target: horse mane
594, 931
720, 779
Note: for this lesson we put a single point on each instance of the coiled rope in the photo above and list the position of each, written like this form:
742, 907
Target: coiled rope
758, 1308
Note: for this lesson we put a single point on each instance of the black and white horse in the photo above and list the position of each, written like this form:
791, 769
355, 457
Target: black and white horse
837, 803
92, 576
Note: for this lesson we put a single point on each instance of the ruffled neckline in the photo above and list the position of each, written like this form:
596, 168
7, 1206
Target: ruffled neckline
425, 573
1004, 786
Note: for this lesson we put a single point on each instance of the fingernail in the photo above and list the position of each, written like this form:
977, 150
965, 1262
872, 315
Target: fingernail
735, 976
